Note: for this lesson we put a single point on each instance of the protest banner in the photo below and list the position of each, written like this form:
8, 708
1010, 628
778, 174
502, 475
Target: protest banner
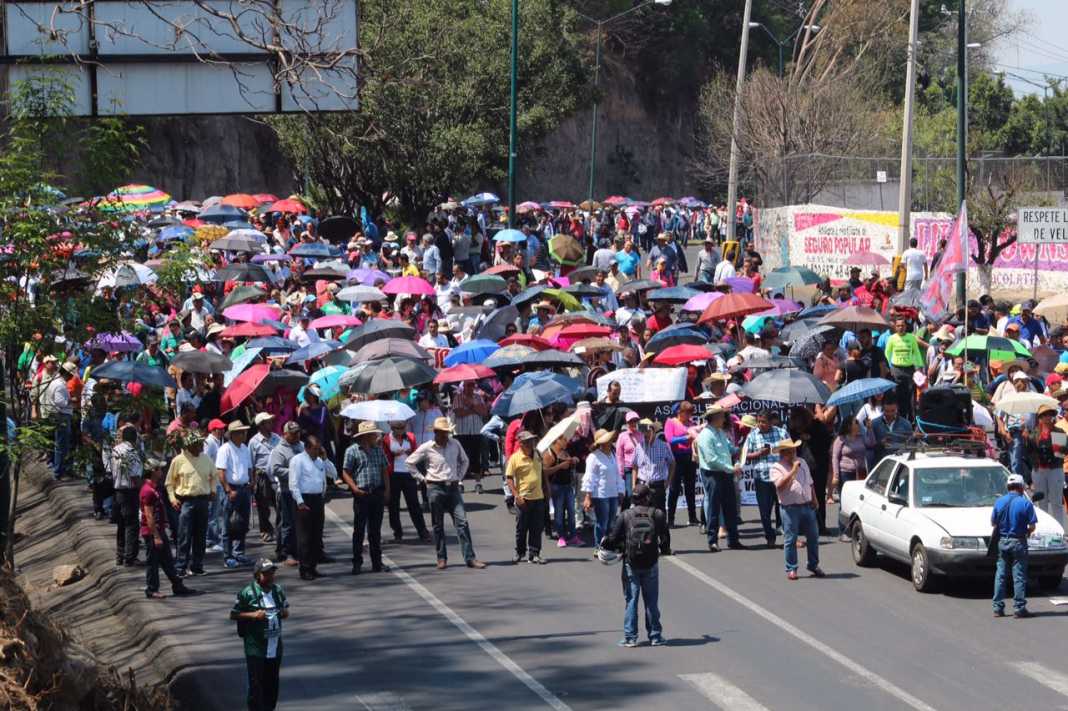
646, 385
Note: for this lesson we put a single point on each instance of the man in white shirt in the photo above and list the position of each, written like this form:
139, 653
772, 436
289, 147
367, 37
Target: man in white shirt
433, 338
915, 262
724, 271
302, 333
263, 489
308, 472
234, 466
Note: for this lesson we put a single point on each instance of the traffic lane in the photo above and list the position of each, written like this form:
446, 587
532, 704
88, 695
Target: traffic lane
937, 646
582, 623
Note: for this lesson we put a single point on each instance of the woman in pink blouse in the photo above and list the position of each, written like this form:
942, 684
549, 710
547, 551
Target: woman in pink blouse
680, 432
827, 366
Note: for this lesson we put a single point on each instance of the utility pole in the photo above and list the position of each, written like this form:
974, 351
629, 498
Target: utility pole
512, 115
904, 199
962, 128
732, 175
593, 129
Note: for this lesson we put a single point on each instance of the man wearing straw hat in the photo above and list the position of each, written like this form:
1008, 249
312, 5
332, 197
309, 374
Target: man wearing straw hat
442, 464
523, 474
797, 497
364, 472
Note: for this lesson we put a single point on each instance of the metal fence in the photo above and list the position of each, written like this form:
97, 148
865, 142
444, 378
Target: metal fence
867, 183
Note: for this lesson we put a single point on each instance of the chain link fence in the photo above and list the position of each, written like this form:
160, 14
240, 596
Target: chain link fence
869, 183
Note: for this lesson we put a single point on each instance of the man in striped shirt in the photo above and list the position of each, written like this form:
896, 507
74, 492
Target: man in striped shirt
760, 458
469, 414
654, 466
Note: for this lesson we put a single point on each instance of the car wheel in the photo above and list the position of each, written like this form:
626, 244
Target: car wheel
1050, 582
863, 553
922, 577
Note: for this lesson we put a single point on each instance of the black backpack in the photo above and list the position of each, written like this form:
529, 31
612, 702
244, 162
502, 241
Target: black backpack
641, 547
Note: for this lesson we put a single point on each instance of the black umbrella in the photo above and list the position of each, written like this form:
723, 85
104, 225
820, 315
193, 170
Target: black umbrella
788, 386
202, 362
325, 273
676, 336
128, 371
908, 297
236, 244
221, 213
796, 330
497, 322
770, 363
552, 359
392, 348
376, 329
810, 344
639, 285
700, 286
581, 290
339, 228
242, 271
282, 379
577, 275
274, 344
242, 294
529, 294
392, 374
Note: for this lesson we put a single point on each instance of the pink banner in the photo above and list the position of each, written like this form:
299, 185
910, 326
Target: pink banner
1051, 257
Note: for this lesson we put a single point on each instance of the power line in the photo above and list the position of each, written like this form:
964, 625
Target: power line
1053, 48
1030, 71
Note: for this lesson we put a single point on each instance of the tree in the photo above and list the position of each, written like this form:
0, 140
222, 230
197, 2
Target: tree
434, 103
991, 218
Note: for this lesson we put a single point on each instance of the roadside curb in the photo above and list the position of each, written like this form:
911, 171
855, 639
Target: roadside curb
149, 647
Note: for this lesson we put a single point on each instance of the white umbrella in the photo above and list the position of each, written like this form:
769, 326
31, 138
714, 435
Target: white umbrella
378, 411
1024, 403
246, 233
981, 416
361, 293
565, 428
127, 274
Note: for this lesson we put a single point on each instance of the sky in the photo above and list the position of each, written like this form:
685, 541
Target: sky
1041, 46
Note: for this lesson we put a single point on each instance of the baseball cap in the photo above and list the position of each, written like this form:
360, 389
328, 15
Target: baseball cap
1015, 480
632, 416
216, 424
262, 417
526, 435
292, 426
265, 565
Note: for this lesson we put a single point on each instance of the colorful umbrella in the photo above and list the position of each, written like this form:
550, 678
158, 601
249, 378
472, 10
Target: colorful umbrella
242, 200
409, 285
566, 300
462, 372
740, 285
566, 250
562, 205
996, 347
682, 354
334, 321
253, 313
134, 198
525, 339
368, 277
241, 294
240, 363
617, 201
702, 301
243, 386
248, 330
734, 306
287, 205
472, 352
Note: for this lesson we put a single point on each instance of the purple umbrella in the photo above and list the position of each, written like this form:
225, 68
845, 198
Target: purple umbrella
782, 307
700, 302
367, 277
740, 285
263, 258
115, 343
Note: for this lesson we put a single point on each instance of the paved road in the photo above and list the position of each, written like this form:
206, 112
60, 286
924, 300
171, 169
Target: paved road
528, 637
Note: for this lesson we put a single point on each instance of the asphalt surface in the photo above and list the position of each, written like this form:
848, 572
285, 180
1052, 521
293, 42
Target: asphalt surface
740, 635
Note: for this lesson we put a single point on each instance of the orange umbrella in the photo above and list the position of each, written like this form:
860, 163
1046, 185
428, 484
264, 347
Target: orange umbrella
287, 205
242, 200
525, 339
735, 306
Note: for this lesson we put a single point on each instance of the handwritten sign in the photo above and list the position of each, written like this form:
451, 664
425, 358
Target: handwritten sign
646, 384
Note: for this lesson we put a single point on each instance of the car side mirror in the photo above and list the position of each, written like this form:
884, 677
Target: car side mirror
898, 499
1037, 496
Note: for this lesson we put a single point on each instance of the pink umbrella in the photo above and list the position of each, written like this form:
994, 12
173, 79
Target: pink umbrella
408, 285
335, 320
867, 259
253, 312
740, 285
782, 306
701, 302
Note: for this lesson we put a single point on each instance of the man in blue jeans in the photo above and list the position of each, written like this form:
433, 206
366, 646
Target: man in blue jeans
1015, 517
717, 474
797, 498
641, 534
761, 458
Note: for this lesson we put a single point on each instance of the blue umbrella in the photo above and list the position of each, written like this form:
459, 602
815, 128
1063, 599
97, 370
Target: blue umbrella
817, 310
481, 199
221, 214
128, 371
676, 294
274, 344
472, 352
529, 294
329, 381
312, 249
312, 350
530, 396
860, 390
175, 232
544, 376
510, 235
240, 363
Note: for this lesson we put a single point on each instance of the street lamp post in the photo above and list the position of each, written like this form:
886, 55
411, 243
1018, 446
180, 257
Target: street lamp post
512, 114
599, 24
781, 43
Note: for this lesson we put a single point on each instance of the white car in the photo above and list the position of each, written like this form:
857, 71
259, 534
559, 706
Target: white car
932, 511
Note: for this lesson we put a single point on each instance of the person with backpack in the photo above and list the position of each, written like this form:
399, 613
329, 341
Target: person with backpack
641, 534
258, 611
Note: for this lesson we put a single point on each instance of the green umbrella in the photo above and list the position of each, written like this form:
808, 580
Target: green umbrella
790, 276
565, 249
484, 284
996, 347
241, 295
566, 300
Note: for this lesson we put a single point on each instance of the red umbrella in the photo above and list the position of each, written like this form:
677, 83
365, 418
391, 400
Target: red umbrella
681, 354
287, 205
525, 339
462, 372
265, 197
503, 270
243, 386
562, 205
242, 200
660, 201
408, 285
735, 306
584, 330
248, 330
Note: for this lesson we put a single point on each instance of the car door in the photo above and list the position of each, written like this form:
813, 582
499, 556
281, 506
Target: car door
899, 518
873, 503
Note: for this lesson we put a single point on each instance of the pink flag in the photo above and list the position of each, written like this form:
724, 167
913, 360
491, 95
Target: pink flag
938, 293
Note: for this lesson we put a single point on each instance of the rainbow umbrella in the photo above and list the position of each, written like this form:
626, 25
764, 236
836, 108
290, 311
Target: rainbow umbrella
134, 198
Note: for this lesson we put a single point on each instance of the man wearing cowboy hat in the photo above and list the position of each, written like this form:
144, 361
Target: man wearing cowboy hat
191, 486
364, 472
234, 465
442, 464
797, 498
263, 487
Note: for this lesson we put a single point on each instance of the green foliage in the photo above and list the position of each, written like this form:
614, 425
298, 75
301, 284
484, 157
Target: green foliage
433, 111
179, 268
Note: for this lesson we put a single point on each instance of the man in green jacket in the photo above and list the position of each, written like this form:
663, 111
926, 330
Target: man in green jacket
259, 610
904, 356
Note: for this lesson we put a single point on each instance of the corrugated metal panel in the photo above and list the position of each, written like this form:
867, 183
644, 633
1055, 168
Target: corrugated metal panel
28, 26
133, 28
140, 89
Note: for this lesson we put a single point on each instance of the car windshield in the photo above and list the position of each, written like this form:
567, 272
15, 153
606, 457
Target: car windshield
959, 486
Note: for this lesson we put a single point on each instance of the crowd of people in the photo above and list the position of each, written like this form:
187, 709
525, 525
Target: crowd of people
390, 365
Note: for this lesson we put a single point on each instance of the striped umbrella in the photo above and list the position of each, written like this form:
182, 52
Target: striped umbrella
134, 198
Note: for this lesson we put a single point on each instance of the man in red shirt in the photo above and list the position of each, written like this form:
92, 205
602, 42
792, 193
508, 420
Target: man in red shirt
660, 319
154, 533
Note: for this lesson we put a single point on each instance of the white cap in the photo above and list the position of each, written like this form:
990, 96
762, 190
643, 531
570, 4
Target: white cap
1015, 480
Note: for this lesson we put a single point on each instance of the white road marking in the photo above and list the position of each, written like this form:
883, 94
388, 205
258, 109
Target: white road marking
383, 701
722, 693
470, 632
1044, 675
852, 665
